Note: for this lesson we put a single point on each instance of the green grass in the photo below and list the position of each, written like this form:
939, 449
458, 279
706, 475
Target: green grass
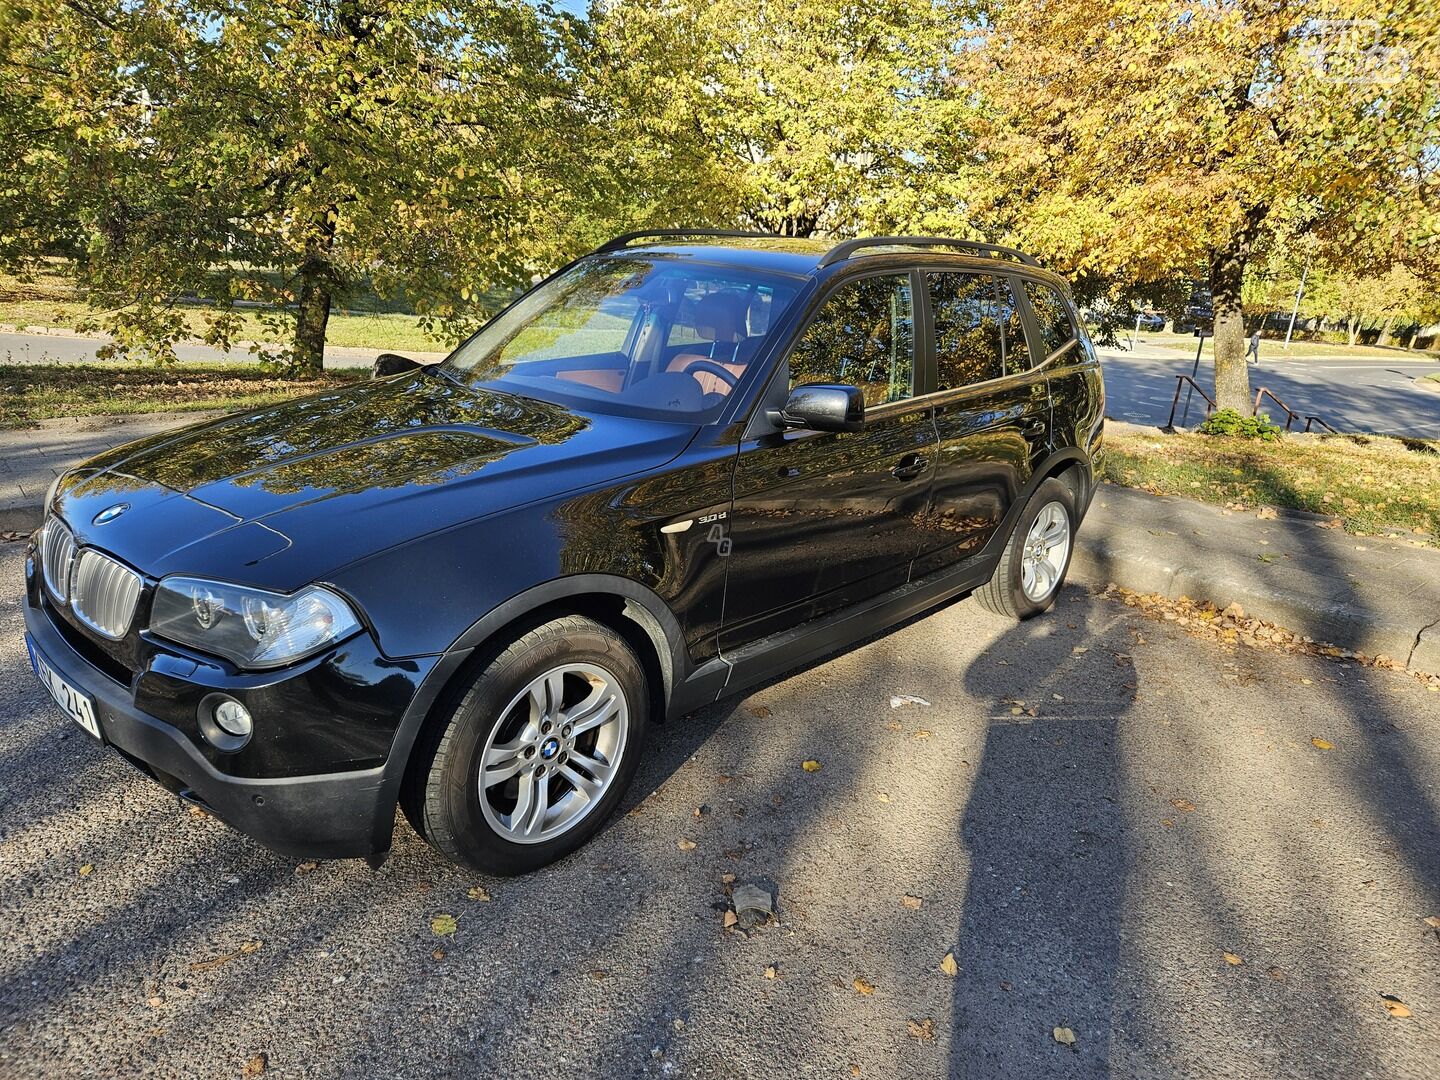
1271, 349
31, 392
1374, 485
50, 301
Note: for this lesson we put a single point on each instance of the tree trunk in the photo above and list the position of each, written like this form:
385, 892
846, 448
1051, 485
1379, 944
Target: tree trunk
1232, 374
310, 322
1354, 329
1384, 338
318, 281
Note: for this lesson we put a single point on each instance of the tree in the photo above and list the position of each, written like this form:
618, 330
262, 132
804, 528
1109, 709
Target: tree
1130, 140
282, 151
796, 118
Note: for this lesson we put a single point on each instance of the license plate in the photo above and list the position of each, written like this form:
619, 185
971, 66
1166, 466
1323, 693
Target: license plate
75, 703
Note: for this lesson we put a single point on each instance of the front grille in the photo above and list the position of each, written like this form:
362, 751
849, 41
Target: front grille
57, 552
104, 593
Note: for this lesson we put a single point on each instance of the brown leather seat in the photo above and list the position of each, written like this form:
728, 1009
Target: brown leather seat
720, 321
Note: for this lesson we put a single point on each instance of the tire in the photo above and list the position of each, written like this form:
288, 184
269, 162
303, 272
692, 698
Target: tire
574, 778
1006, 593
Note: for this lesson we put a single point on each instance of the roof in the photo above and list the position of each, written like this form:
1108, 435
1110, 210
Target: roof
801, 256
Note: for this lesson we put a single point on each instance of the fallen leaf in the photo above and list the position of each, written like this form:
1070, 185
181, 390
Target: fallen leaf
155, 1002
443, 925
1433, 920
87, 869
883, 796
256, 1065
727, 879
246, 948
438, 954
196, 811
914, 903
863, 987
1233, 960
1321, 744
729, 919
478, 892
760, 712
898, 700
770, 972
811, 765
921, 733
1167, 823
1266, 513
948, 965
1005, 985
306, 867
1276, 974
700, 811
1185, 806
1395, 1007
685, 845
924, 1030
1064, 1036
599, 974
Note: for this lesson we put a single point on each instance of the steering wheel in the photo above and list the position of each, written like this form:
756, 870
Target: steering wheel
712, 368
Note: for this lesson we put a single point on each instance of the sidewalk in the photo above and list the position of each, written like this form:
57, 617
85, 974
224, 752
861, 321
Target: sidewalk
1367, 594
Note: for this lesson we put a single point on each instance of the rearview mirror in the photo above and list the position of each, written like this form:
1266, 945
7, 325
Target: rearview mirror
824, 407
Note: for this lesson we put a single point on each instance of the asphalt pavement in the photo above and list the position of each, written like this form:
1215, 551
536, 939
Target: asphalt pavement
1378, 396
1092, 810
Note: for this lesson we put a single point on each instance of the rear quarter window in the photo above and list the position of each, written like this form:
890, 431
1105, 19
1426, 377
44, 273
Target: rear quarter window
1052, 315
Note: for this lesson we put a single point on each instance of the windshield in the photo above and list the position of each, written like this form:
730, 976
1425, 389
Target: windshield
639, 336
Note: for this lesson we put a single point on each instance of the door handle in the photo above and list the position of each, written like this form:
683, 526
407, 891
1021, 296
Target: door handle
910, 466
1034, 427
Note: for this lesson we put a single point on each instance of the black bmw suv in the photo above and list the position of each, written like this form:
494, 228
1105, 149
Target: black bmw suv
680, 466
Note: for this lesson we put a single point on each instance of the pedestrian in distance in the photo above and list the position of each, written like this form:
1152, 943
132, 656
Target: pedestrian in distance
1254, 349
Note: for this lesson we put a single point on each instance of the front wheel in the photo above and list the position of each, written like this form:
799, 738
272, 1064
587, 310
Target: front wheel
536, 753
1033, 566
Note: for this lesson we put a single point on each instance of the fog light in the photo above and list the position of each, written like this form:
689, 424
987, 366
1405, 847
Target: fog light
233, 718
225, 723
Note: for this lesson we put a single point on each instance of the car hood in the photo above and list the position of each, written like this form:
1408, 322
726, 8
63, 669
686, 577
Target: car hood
281, 495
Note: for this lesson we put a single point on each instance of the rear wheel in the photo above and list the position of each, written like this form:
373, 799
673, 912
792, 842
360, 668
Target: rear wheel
1032, 569
537, 751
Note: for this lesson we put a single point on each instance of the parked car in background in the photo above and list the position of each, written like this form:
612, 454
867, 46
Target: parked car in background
681, 465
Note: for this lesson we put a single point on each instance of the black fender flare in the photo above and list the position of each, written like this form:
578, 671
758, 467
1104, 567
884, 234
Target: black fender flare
641, 605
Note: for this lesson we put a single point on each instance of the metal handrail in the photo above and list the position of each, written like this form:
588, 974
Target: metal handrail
1316, 420
1290, 414
1175, 402
626, 239
841, 252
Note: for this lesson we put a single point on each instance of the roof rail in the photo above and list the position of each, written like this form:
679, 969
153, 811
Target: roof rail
841, 252
624, 240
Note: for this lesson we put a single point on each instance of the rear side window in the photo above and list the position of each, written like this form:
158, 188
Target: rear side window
863, 335
1052, 314
978, 335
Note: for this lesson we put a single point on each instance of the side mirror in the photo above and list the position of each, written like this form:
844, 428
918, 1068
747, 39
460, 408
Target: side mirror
823, 407
392, 364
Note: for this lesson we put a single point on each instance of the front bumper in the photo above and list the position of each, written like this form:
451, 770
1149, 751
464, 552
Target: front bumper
342, 814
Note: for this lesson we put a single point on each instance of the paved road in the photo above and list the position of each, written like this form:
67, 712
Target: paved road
1350, 395
41, 348
1058, 857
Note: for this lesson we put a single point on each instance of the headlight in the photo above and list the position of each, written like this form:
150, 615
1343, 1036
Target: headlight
251, 627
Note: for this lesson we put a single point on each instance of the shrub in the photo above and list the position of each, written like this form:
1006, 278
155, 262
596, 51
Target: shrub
1231, 422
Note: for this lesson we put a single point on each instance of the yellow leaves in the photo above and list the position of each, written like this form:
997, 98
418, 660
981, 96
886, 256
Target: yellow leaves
685, 845
1233, 959
306, 867
443, 925
255, 1065
1433, 921
478, 892
770, 972
87, 869
728, 920
948, 965
863, 987
1322, 744
1185, 806
1395, 1007
921, 1030
914, 903
438, 954
1064, 1036
811, 765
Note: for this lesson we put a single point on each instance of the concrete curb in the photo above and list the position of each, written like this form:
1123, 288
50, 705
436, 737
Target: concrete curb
1326, 607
